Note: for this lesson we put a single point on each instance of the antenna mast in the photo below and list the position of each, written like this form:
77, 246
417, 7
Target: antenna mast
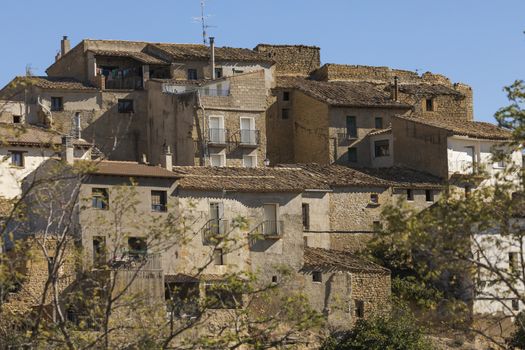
203, 21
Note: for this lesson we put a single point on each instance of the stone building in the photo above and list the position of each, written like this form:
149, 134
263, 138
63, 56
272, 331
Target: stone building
217, 122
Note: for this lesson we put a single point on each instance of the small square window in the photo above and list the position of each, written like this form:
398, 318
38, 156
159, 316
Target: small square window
218, 257
359, 308
57, 104
410, 194
218, 73
286, 95
158, 201
317, 276
429, 195
99, 198
17, 159
274, 279
515, 304
429, 105
374, 198
17, 119
381, 148
138, 247
352, 155
192, 74
249, 161
285, 113
125, 106
217, 159
379, 123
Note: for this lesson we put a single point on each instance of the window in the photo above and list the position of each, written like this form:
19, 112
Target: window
317, 276
285, 113
217, 132
99, 198
271, 224
99, 251
429, 105
57, 104
249, 161
374, 198
306, 216
381, 148
17, 119
218, 257
137, 247
410, 194
352, 155
515, 304
218, 73
359, 308
125, 106
351, 127
429, 195
192, 74
513, 262
286, 95
217, 159
158, 200
237, 71
379, 123
247, 130
17, 159
274, 279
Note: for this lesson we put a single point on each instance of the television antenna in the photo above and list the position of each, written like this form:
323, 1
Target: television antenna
203, 19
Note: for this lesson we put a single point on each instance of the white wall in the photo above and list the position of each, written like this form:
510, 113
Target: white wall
11, 176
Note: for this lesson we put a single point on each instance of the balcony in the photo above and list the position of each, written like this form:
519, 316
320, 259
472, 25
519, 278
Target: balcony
217, 137
269, 229
136, 260
123, 83
213, 231
249, 138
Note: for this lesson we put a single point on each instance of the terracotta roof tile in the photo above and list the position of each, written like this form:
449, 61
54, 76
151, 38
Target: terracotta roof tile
328, 260
343, 93
138, 56
380, 131
60, 83
202, 52
462, 127
405, 178
246, 179
131, 169
25, 135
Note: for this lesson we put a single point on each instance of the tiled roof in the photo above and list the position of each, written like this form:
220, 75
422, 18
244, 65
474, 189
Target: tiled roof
131, 169
202, 52
335, 175
380, 131
33, 136
58, 83
138, 56
246, 179
405, 178
343, 93
328, 260
463, 127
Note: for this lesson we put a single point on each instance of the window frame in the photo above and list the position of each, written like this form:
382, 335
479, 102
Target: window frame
410, 195
162, 206
305, 210
192, 74
104, 195
380, 120
286, 96
220, 154
21, 157
218, 257
54, 106
354, 158
254, 162
429, 196
359, 308
317, 276
351, 128
374, 198
429, 105
378, 150
17, 119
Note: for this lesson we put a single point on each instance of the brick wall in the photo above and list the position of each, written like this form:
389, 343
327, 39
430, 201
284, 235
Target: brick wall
293, 59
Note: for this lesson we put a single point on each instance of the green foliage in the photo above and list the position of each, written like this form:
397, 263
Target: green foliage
517, 340
397, 331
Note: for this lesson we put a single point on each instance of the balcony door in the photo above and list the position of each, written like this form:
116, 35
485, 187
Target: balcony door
216, 214
270, 219
248, 130
217, 134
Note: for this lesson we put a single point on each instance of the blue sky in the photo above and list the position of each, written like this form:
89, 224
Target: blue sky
478, 42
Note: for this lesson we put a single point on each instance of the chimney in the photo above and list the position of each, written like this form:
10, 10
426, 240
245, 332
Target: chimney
395, 90
167, 158
68, 152
212, 48
65, 45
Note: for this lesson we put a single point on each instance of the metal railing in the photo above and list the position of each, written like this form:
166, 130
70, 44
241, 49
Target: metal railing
213, 229
159, 207
133, 260
217, 136
249, 137
270, 229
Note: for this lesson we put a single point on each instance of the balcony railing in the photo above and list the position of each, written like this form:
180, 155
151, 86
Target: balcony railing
249, 138
124, 83
136, 260
217, 136
213, 230
269, 229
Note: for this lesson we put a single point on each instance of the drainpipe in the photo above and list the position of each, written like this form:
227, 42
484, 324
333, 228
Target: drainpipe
202, 129
212, 48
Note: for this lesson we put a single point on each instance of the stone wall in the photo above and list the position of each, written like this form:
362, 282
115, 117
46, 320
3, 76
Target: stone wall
73, 64
293, 59
374, 290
